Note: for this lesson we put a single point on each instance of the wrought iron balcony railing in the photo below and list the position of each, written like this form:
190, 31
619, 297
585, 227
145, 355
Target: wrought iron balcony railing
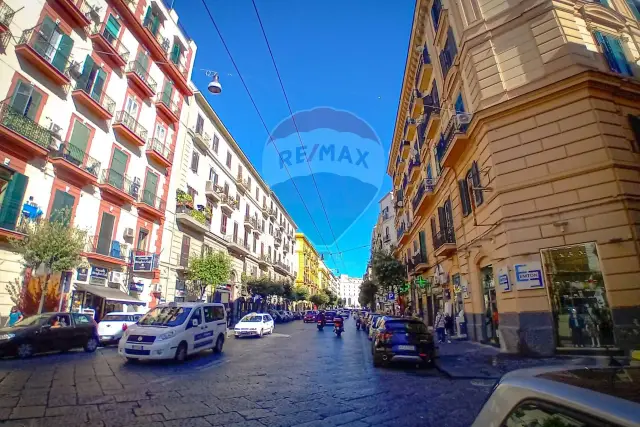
162, 41
120, 48
24, 126
6, 14
78, 157
48, 51
163, 149
139, 69
127, 119
457, 124
165, 98
121, 182
443, 237
104, 100
149, 198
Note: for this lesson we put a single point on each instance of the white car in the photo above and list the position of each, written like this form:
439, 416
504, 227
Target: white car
174, 331
254, 324
112, 326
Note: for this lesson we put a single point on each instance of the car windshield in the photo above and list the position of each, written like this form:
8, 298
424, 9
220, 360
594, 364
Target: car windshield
38, 319
330, 313
251, 318
310, 313
404, 326
117, 318
165, 316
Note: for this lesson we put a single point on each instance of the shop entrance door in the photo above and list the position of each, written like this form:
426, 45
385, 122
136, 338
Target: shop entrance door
490, 305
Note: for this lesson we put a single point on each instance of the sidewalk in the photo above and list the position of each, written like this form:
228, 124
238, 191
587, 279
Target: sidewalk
471, 360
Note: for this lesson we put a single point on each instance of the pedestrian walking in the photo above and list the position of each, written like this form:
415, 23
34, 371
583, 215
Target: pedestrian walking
448, 326
14, 316
439, 325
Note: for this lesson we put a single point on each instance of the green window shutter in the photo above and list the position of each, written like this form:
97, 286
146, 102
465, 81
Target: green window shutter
62, 207
34, 104
147, 16
118, 165
175, 53
43, 35
105, 234
113, 27
142, 62
150, 188
11, 204
61, 58
78, 142
83, 80
423, 245
167, 93
98, 85
21, 97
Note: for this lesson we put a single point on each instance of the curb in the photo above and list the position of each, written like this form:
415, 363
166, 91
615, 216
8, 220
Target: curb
453, 376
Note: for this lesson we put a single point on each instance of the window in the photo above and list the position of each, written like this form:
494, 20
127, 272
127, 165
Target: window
238, 200
25, 100
12, 188
532, 413
614, 53
184, 251
271, 228
223, 225
78, 142
235, 231
448, 53
249, 182
218, 313
213, 176
228, 160
199, 124
167, 93
475, 179
197, 315
257, 193
634, 5
261, 249
435, 13
192, 192
143, 235
111, 29
208, 314
215, 144
459, 104
195, 159
81, 319
255, 246
92, 79
176, 53
465, 200
52, 44
240, 171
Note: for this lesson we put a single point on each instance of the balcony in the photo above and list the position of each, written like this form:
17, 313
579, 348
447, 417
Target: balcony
213, 191
178, 73
140, 80
193, 219
237, 245
129, 129
444, 242
426, 187
100, 104
277, 240
79, 11
419, 263
201, 139
264, 261
108, 46
50, 60
272, 213
73, 163
227, 204
415, 105
167, 108
159, 152
282, 268
108, 251
249, 222
158, 44
6, 16
410, 129
453, 141
151, 205
265, 212
425, 69
242, 184
23, 134
119, 187
257, 230
414, 168
431, 113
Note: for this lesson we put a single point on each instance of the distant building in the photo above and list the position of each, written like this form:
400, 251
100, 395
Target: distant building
350, 290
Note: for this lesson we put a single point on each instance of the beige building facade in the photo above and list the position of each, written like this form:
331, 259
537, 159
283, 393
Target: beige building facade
516, 170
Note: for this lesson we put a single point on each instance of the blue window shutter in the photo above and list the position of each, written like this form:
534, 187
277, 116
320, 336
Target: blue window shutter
429, 173
459, 104
603, 2
619, 56
606, 51
634, 5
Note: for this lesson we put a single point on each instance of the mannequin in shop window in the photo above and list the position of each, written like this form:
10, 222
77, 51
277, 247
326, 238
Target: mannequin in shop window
576, 323
592, 327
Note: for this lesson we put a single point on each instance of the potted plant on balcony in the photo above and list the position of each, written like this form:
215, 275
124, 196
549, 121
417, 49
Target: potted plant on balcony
184, 199
198, 216
207, 213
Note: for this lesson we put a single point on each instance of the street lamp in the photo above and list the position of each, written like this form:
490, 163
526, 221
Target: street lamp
214, 85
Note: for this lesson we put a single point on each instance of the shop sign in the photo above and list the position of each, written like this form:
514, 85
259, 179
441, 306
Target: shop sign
465, 288
82, 274
179, 292
97, 281
529, 276
99, 272
503, 279
136, 287
143, 263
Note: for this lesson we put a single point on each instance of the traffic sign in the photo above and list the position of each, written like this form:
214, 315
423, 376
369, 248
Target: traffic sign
391, 296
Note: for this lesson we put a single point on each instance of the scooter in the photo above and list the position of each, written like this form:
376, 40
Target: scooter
337, 328
358, 324
320, 325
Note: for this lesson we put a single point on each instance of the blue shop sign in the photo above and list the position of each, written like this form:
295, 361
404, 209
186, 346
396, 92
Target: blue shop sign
99, 272
144, 263
82, 274
529, 276
136, 287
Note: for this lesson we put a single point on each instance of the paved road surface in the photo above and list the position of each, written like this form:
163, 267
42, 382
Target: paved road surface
296, 377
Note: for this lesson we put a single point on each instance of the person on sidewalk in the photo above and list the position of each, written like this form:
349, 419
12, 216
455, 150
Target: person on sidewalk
439, 325
448, 326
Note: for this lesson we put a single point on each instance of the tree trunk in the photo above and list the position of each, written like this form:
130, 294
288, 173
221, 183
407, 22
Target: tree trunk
43, 295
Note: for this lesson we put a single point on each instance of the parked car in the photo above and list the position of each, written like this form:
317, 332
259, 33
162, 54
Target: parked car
375, 328
284, 315
49, 332
371, 324
112, 326
277, 316
403, 339
174, 331
290, 315
298, 315
254, 324
564, 396
309, 316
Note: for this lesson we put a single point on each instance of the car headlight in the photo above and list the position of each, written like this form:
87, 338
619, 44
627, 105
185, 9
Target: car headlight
7, 337
166, 336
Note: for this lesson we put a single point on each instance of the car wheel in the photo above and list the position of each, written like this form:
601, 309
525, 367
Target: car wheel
261, 333
25, 350
219, 344
271, 331
181, 352
91, 345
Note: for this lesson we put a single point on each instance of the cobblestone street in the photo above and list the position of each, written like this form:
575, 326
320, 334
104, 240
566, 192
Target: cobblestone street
296, 377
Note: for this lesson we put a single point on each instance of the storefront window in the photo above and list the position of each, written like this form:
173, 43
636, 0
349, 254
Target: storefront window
491, 318
578, 297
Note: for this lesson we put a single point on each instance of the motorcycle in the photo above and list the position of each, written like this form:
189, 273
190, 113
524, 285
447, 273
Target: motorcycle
358, 324
338, 329
320, 325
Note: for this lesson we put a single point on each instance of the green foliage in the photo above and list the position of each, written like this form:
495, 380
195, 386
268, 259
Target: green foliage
368, 291
388, 272
184, 199
198, 216
332, 298
208, 270
207, 212
51, 244
288, 291
320, 299
302, 293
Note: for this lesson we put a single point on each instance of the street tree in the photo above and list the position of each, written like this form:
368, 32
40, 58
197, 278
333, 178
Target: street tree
208, 270
52, 245
259, 286
319, 299
302, 293
368, 290
388, 272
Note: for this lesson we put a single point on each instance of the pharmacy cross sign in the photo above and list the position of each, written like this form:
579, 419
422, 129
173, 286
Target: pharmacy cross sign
405, 288
421, 282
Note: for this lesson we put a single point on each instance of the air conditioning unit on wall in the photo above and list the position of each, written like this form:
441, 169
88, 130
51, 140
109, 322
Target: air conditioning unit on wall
128, 233
117, 277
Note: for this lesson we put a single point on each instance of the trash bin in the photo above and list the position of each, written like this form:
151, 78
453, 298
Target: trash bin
462, 327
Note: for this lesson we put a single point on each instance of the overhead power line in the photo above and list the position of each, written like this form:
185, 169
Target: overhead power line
255, 106
293, 119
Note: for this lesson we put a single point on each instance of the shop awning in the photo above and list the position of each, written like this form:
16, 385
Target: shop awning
110, 294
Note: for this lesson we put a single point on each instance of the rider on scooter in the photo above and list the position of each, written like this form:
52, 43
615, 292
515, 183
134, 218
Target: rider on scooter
338, 322
320, 317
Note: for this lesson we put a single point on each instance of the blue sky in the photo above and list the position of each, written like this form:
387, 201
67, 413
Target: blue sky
347, 55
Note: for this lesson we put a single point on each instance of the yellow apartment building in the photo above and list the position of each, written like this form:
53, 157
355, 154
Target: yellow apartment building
515, 164
324, 277
308, 264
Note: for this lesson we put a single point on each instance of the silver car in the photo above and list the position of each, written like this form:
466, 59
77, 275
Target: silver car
570, 396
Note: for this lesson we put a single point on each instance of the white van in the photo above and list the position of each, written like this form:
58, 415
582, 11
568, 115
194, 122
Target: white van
174, 331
